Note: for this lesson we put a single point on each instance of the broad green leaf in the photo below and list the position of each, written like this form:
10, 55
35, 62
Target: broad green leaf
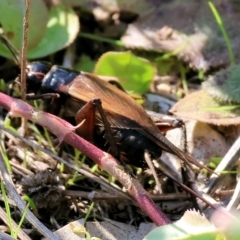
192, 226
225, 85
62, 29
202, 107
54, 30
11, 19
134, 73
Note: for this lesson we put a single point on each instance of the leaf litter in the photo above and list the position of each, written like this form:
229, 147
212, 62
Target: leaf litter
189, 31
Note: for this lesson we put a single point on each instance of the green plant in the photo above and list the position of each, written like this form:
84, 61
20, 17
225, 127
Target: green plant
59, 27
192, 226
225, 35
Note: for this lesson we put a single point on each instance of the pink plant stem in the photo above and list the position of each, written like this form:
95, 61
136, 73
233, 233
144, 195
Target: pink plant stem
64, 131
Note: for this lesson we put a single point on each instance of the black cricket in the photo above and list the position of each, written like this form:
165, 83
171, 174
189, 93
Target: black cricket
131, 127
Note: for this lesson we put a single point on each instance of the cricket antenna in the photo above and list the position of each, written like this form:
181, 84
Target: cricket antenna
10, 47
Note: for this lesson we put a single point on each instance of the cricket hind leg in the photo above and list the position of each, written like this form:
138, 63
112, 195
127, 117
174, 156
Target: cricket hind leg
87, 115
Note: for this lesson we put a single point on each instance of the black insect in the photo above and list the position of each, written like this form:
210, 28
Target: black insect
130, 125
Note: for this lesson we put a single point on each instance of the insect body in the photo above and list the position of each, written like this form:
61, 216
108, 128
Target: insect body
133, 129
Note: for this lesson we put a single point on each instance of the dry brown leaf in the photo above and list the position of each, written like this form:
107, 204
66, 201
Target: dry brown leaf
202, 107
203, 141
67, 232
112, 230
192, 27
187, 28
187, 48
106, 230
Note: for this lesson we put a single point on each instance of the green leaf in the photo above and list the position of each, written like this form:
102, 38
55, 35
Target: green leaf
192, 226
62, 29
134, 74
224, 86
11, 19
49, 31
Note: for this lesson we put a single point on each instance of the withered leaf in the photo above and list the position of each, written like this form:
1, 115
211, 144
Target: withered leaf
189, 30
186, 29
202, 107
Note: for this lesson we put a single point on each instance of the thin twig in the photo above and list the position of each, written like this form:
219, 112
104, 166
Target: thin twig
191, 191
236, 196
4, 236
153, 171
24, 49
24, 59
184, 138
11, 48
21, 234
227, 162
109, 196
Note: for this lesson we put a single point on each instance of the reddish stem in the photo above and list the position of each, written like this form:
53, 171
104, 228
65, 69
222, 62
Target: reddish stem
64, 131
